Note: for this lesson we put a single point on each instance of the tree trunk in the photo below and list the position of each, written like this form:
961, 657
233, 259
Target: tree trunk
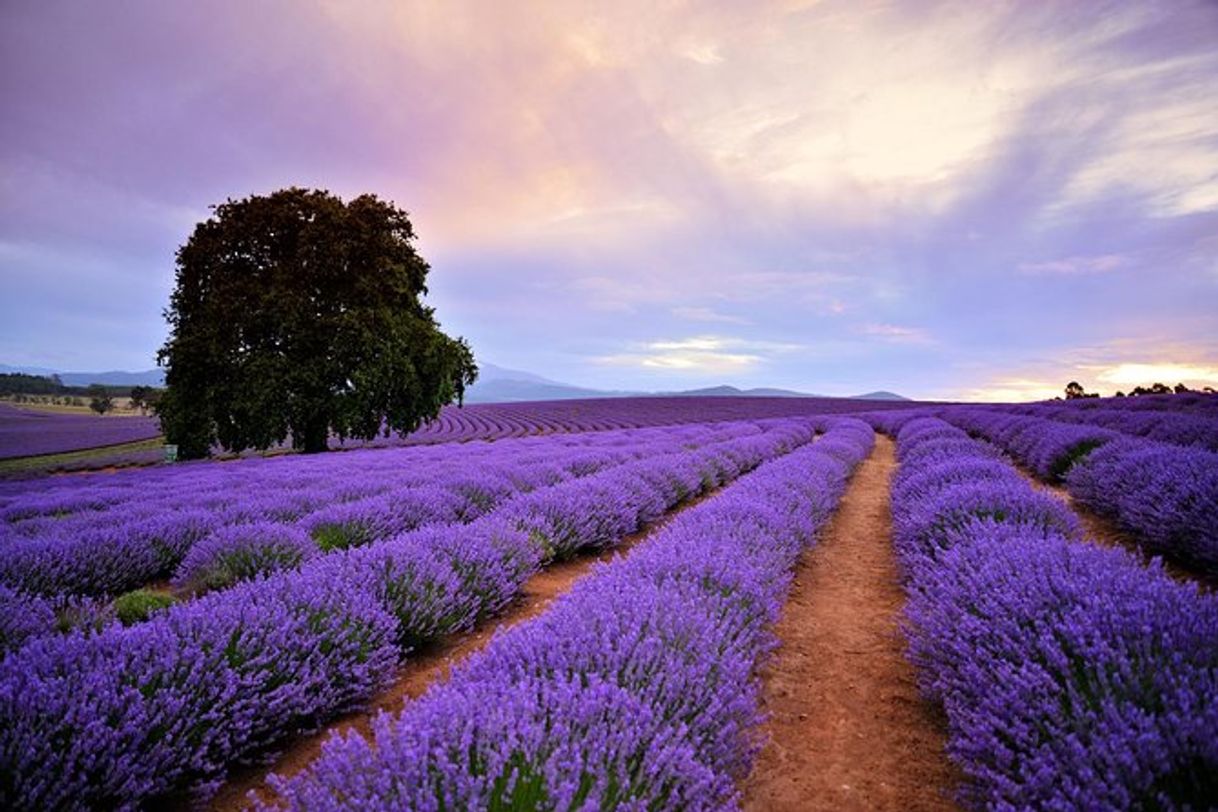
317, 436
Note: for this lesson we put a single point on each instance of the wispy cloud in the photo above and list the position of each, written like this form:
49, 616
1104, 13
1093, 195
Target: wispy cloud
707, 354
1012, 390
706, 314
897, 333
1072, 266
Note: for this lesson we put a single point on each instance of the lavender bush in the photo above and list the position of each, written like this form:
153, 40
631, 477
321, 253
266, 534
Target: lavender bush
241, 552
23, 616
1072, 676
1166, 497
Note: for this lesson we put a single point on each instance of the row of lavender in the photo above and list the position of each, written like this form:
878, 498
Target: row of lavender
104, 536
490, 420
130, 714
1072, 676
1165, 496
1187, 403
54, 576
1199, 429
636, 691
19, 437
219, 548
26, 432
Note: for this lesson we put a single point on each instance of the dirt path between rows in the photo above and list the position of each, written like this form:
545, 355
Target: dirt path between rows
423, 669
848, 729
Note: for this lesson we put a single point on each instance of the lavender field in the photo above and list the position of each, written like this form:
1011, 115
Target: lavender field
27, 433
167, 630
775, 406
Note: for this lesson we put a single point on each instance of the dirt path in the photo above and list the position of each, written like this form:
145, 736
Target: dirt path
425, 668
847, 727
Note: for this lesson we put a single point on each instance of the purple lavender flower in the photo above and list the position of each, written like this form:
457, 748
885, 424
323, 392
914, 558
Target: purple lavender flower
241, 552
1072, 676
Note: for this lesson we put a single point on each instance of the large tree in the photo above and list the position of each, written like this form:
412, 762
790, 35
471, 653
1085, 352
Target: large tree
296, 315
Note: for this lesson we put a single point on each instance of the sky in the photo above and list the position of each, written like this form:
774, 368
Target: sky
947, 200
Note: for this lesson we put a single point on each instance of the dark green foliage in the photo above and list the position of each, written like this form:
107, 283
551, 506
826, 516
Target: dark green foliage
139, 397
138, 605
1074, 391
339, 536
296, 315
12, 383
99, 399
1059, 466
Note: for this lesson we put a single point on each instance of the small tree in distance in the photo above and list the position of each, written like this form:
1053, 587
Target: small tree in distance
99, 399
139, 398
295, 315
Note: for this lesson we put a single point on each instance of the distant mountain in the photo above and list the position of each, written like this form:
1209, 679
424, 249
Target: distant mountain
495, 384
498, 384
491, 372
880, 395
726, 391
151, 377
769, 392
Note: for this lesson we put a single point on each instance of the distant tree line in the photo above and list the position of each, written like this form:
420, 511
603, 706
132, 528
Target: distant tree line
24, 388
20, 383
1075, 391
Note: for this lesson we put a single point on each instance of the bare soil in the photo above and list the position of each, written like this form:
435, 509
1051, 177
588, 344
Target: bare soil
847, 728
425, 668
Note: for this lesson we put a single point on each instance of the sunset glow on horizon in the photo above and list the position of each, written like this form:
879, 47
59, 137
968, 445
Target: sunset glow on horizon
945, 200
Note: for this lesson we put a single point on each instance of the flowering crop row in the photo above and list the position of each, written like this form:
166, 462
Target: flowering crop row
129, 553
211, 486
130, 714
103, 538
637, 690
492, 420
25, 432
1178, 428
1165, 496
1072, 676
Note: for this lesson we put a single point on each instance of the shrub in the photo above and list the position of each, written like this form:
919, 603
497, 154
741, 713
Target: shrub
138, 605
241, 552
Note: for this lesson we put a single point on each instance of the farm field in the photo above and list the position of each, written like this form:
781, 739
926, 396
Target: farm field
663, 603
692, 407
31, 432
35, 442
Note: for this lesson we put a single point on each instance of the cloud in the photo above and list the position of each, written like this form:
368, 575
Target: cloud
1166, 372
1102, 369
1072, 266
704, 53
584, 179
897, 334
700, 354
1013, 390
706, 314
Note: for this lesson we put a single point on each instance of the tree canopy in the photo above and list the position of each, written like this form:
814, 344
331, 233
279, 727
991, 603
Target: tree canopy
296, 315
100, 400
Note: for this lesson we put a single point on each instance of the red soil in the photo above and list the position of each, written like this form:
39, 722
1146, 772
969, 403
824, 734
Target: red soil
847, 728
